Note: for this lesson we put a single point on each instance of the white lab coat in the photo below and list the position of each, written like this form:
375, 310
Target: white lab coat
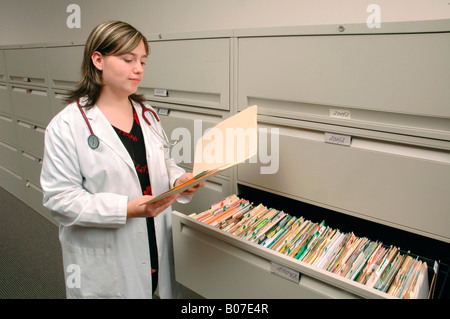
106, 255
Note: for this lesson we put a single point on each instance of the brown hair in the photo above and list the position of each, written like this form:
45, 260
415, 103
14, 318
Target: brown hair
109, 38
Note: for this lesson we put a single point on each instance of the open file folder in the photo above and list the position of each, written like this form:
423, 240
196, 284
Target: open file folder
230, 142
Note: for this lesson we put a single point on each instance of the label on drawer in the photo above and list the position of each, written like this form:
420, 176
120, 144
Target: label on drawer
161, 92
163, 111
340, 114
285, 272
340, 139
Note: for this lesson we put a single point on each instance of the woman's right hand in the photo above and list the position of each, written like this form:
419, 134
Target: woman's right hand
149, 210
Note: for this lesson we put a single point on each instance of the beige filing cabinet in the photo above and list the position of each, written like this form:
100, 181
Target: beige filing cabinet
384, 92
189, 71
64, 71
188, 82
37, 78
363, 129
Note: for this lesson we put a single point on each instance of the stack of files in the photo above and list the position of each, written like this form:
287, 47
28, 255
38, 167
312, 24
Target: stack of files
359, 259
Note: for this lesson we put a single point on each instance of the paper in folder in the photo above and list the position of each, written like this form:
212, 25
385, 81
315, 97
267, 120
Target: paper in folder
359, 259
230, 142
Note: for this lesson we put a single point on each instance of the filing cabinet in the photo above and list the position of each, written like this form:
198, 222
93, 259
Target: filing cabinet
8, 129
382, 82
3, 77
64, 65
32, 166
27, 66
192, 72
392, 173
384, 93
9, 157
373, 179
5, 103
188, 124
31, 138
219, 265
13, 183
31, 104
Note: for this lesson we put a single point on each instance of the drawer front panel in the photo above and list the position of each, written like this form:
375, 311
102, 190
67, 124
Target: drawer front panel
13, 183
63, 74
32, 105
32, 167
7, 130
193, 72
31, 138
399, 185
395, 83
9, 157
5, 103
27, 66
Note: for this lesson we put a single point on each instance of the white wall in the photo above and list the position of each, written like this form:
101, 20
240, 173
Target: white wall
44, 21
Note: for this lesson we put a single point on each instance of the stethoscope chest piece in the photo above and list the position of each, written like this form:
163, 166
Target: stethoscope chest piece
93, 141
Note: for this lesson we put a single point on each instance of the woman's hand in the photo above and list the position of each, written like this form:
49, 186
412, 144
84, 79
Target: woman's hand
185, 177
149, 210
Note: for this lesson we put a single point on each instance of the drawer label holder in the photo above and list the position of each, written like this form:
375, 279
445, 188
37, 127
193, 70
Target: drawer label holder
285, 272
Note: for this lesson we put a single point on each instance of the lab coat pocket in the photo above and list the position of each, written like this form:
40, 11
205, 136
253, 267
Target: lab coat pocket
93, 272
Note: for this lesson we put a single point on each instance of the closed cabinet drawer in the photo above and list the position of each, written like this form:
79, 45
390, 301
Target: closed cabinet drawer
189, 72
5, 103
27, 66
391, 183
57, 99
31, 138
61, 73
2, 66
32, 167
13, 183
31, 104
386, 82
9, 157
7, 130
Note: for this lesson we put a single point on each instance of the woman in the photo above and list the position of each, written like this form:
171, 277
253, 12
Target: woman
102, 158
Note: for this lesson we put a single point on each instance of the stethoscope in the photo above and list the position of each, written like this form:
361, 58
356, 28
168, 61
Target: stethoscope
94, 142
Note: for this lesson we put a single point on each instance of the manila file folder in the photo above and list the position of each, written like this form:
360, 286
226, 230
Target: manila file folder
230, 142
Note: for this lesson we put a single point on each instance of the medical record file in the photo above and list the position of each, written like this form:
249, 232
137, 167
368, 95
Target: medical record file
370, 263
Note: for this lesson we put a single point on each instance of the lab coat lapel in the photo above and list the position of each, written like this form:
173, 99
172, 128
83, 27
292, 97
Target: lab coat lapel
106, 134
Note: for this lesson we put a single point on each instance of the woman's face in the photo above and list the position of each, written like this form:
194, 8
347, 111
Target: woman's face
122, 74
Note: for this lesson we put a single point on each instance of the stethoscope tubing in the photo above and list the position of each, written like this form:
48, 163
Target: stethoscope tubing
93, 140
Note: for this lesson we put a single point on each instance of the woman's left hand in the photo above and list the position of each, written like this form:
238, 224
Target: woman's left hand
185, 177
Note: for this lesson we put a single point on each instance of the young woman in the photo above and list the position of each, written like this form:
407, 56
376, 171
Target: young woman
105, 153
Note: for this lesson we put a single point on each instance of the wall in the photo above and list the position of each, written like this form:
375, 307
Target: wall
44, 21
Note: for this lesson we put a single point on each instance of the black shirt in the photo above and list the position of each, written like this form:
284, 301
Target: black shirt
134, 143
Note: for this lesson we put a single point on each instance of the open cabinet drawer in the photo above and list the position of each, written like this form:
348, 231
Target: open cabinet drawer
216, 264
